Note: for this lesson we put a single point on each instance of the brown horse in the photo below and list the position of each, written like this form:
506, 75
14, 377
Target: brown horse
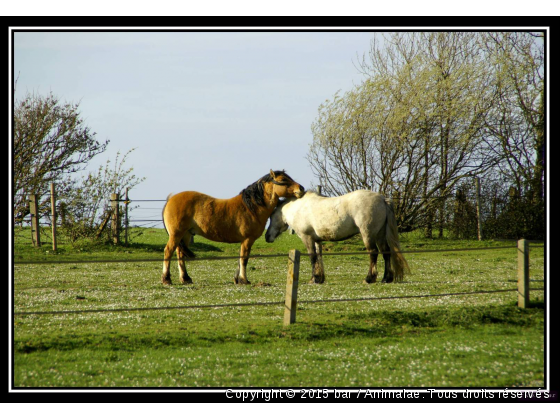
240, 219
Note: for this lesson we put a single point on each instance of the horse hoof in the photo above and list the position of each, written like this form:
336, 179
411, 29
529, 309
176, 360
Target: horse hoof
186, 280
370, 280
387, 281
165, 281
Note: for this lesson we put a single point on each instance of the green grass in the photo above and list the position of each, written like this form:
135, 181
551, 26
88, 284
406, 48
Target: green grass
475, 340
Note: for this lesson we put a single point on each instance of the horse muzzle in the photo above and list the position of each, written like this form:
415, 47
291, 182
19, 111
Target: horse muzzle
300, 193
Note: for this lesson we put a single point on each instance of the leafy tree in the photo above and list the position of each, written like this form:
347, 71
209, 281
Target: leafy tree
435, 110
87, 204
464, 221
412, 130
516, 127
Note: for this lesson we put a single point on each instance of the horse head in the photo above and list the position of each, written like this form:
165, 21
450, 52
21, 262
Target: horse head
284, 185
277, 223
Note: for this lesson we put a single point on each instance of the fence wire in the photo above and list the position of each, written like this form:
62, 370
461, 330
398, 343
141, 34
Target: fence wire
235, 257
244, 304
232, 305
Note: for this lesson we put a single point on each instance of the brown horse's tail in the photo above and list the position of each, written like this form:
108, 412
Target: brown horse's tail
182, 244
398, 262
186, 250
163, 213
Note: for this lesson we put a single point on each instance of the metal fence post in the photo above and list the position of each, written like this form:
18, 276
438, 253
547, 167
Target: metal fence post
523, 273
292, 287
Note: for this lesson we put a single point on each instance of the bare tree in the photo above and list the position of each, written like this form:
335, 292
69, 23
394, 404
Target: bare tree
50, 139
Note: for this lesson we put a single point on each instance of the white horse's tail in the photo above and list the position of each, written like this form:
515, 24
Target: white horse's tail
399, 265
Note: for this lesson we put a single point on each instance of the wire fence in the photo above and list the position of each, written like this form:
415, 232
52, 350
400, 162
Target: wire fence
275, 303
235, 257
144, 214
241, 304
151, 216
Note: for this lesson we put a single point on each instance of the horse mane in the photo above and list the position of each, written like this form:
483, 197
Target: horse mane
253, 195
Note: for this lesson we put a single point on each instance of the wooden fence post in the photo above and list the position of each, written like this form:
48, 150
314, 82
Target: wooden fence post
115, 217
34, 210
126, 216
292, 287
53, 217
523, 273
478, 216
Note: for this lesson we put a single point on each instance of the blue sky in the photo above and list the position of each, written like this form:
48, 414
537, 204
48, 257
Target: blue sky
206, 111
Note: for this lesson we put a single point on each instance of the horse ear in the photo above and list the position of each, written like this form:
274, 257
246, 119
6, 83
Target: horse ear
272, 174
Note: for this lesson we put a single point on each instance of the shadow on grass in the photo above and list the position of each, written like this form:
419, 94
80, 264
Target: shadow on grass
200, 247
375, 324
537, 305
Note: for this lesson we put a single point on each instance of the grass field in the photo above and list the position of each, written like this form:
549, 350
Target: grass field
471, 340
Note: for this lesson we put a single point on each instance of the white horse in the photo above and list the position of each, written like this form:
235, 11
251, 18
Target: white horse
315, 219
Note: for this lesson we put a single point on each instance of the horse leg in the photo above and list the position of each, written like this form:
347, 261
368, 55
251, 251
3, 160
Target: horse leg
388, 274
167, 254
373, 249
372, 273
319, 268
317, 274
241, 272
181, 254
